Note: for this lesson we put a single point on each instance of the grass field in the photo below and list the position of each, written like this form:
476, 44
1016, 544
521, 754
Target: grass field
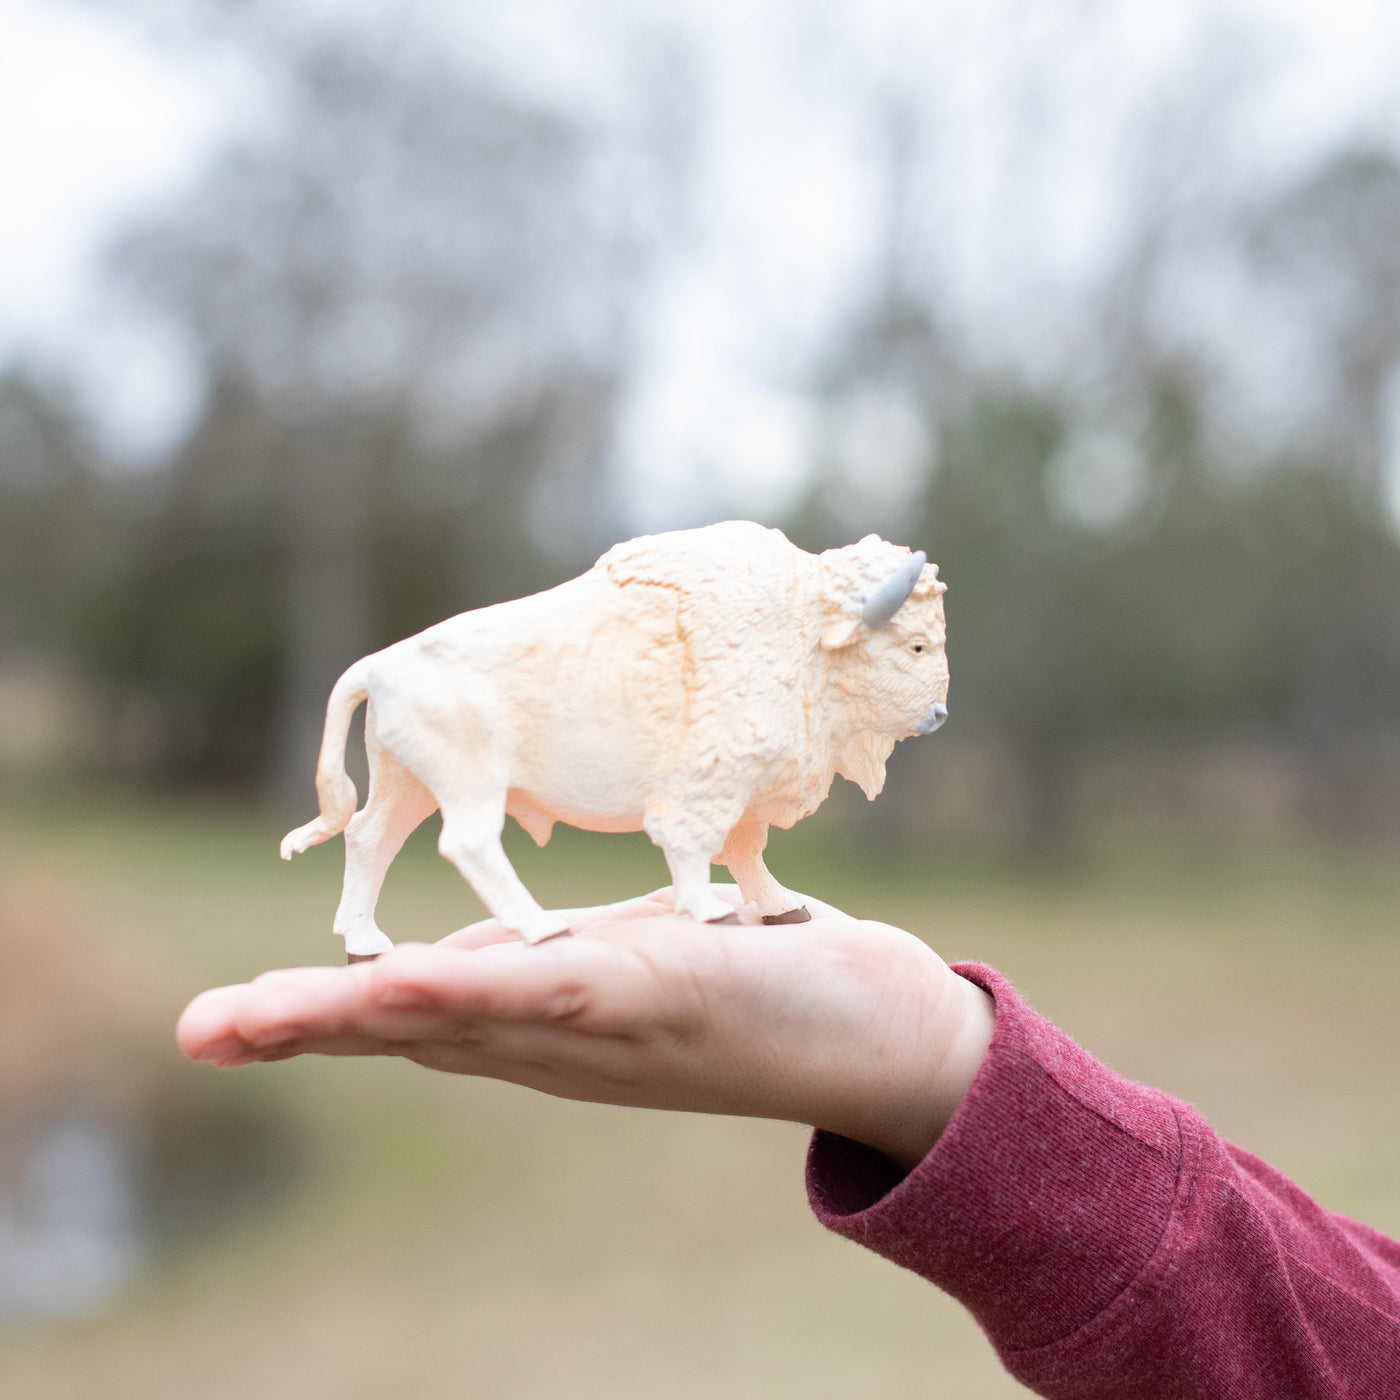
453, 1238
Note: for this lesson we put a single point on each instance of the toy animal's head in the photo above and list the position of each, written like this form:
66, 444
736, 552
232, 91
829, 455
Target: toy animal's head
885, 638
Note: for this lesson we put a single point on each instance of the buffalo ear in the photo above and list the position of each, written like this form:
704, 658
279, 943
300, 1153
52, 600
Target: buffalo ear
840, 634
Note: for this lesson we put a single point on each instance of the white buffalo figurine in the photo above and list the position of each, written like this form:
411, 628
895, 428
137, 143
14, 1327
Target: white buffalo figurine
700, 686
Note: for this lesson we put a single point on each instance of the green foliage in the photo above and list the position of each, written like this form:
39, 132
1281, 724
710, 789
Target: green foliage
57, 534
411, 308
1201, 611
196, 622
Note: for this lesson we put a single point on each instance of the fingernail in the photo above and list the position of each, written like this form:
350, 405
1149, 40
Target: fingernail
405, 998
221, 1049
278, 1035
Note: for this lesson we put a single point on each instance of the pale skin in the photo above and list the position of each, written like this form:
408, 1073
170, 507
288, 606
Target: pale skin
844, 1024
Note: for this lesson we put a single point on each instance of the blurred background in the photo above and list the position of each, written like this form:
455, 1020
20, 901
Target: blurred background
321, 320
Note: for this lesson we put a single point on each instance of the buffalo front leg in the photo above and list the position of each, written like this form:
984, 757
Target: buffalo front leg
689, 850
397, 804
743, 854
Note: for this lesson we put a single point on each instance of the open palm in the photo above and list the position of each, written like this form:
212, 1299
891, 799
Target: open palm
840, 1023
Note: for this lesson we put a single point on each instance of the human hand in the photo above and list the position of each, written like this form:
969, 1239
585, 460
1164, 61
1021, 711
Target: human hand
840, 1023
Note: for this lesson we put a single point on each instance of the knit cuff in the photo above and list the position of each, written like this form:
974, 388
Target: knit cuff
1042, 1199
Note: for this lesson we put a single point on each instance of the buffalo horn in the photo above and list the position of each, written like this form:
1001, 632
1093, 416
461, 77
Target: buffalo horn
887, 600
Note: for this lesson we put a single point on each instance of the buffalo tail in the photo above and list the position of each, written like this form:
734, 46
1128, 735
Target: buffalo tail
334, 790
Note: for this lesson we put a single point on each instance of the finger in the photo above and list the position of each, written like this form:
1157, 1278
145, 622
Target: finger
486, 932
662, 901
481, 934
589, 983
417, 992
638, 907
556, 1060
629, 911
315, 1003
265, 1010
276, 1004
208, 1020
314, 1043
820, 909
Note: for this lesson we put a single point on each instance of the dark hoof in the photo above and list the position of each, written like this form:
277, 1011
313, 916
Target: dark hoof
728, 919
792, 916
360, 957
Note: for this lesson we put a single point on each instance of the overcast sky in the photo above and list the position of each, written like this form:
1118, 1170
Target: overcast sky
95, 123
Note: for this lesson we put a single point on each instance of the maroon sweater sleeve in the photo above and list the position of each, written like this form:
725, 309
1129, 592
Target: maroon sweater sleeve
1112, 1246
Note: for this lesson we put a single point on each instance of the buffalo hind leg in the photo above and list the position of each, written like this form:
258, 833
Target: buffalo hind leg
471, 840
743, 854
449, 749
397, 803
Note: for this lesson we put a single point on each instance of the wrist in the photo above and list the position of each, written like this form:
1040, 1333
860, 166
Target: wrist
912, 1095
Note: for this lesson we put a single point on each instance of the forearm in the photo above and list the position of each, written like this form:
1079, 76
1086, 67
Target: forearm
1111, 1245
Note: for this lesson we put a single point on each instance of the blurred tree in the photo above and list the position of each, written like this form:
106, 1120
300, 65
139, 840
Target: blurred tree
1218, 602
1121, 567
1111, 582
60, 532
192, 623
410, 305
1333, 239
410, 288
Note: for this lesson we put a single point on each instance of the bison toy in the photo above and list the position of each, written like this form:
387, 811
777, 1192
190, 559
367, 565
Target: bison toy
701, 686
